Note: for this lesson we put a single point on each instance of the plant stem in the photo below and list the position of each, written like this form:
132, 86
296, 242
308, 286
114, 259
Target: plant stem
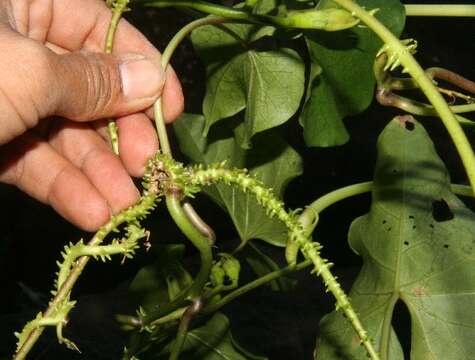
118, 9
199, 241
415, 70
343, 193
185, 322
202, 6
65, 289
166, 56
440, 10
255, 284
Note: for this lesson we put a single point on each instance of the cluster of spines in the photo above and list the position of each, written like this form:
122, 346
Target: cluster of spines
393, 56
118, 5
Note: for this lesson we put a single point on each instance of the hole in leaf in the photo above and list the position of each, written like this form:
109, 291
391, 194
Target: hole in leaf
441, 211
411, 217
389, 229
401, 322
406, 242
409, 125
384, 221
413, 227
446, 246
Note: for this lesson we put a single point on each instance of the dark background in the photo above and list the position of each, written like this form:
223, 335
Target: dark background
280, 326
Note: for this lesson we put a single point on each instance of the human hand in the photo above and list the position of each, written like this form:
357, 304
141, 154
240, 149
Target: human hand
51, 65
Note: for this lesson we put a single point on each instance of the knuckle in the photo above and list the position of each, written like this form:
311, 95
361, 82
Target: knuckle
103, 83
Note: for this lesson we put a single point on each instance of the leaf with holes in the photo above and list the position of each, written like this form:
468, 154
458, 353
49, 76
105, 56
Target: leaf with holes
346, 83
275, 165
418, 247
268, 85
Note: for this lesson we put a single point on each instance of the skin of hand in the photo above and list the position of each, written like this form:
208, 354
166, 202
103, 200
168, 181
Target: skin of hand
56, 87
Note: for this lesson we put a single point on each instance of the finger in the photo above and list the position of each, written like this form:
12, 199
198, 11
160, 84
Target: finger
37, 169
138, 142
85, 25
86, 150
37, 83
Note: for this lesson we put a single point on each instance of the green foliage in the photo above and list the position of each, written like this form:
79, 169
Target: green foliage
262, 265
341, 81
418, 247
268, 85
416, 242
212, 341
275, 166
161, 282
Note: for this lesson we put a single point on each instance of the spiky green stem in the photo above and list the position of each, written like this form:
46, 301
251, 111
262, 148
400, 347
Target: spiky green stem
310, 250
31, 334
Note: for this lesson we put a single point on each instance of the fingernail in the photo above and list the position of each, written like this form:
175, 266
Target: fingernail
141, 77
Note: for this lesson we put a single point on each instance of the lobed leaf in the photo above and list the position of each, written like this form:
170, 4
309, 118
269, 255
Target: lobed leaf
418, 246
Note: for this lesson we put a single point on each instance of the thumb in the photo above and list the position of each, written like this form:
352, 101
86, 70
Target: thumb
90, 86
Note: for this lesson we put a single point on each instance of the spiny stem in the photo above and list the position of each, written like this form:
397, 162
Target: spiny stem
411, 66
297, 235
118, 7
145, 204
440, 10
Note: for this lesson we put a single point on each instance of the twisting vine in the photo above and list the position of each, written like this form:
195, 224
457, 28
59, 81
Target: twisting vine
169, 179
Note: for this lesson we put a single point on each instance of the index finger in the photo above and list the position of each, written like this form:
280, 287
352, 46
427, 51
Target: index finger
83, 25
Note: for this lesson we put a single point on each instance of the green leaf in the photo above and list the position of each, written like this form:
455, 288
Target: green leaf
418, 246
157, 284
275, 165
346, 84
213, 341
267, 85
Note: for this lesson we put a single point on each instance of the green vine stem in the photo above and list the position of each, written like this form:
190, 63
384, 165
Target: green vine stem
199, 241
399, 53
118, 7
165, 60
185, 217
387, 84
343, 193
66, 281
217, 174
308, 217
440, 10
331, 19
185, 322
388, 98
212, 308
